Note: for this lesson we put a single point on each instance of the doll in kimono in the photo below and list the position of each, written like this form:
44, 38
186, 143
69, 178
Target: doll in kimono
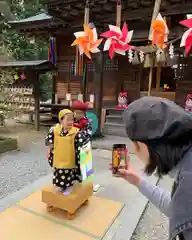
122, 100
81, 121
188, 103
63, 140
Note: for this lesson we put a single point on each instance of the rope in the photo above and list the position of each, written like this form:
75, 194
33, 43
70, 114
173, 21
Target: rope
118, 16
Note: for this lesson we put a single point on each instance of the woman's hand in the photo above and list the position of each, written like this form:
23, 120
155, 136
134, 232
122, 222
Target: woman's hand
127, 172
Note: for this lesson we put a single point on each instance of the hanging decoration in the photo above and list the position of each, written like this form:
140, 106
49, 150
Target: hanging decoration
52, 51
186, 40
141, 56
148, 60
84, 77
135, 59
16, 77
130, 55
160, 32
117, 40
160, 56
23, 76
159, 52
171, 51
87, 41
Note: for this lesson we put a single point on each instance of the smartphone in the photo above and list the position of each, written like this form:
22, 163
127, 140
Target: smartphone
118, 155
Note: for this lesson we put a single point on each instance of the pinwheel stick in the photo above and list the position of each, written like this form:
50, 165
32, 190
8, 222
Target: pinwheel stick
156, 10
118, 16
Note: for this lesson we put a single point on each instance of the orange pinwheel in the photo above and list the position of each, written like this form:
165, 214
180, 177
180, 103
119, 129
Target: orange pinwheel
159, 32
87, 41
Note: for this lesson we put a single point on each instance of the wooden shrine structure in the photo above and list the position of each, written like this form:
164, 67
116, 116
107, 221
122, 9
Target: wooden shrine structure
29, 86
106, 78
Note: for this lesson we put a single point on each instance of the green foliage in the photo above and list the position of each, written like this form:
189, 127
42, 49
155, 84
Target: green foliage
17, 44
45, 83
8, 144
22, 47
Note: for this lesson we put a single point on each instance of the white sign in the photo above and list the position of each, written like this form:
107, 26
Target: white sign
68, 96
91, 98
80, 97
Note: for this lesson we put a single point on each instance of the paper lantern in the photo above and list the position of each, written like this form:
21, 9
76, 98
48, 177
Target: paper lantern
148, 61
16, 77
136, 59
23, 76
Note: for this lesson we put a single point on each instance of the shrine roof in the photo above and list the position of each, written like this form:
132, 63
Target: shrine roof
36, 65
37, 18
65, 17
35, 23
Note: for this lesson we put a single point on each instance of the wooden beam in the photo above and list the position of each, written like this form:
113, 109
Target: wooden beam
147, 12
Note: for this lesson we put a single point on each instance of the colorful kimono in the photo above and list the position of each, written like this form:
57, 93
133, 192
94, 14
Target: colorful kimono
64, 177
84, 125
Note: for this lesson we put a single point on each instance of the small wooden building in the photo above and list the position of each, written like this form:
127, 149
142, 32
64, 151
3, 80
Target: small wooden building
107, 79
28, 98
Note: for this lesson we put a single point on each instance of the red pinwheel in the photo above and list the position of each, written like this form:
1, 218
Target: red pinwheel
186, 40
117, 40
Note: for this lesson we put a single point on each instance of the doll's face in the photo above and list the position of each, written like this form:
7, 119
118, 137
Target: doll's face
189, 102
79, 114
67, 121
122, 100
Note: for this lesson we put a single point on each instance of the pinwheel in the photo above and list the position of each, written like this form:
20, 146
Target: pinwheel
117, 40
186, 40
87, 41
160, 32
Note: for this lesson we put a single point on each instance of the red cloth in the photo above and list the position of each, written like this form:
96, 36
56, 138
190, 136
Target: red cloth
81, 123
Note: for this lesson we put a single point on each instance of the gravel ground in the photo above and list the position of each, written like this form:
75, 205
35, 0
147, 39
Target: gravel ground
153, 224
18, 169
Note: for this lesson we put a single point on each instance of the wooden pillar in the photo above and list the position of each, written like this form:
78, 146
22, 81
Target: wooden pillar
37, 100
53, 88
98, 86
158, 78
156, 10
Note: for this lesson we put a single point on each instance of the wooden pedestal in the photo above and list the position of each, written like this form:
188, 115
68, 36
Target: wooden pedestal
69, 203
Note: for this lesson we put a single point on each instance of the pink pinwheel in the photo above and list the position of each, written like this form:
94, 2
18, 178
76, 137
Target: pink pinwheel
117, 40
186, 40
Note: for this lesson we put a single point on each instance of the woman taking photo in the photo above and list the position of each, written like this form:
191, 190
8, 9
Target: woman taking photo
161, 133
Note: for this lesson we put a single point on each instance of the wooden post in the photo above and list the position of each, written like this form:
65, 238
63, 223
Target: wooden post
154, 16
98, 83
151, 75
37, 100
158, 78
53, 88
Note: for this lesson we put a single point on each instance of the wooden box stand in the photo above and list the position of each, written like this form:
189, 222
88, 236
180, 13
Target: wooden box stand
70, 203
